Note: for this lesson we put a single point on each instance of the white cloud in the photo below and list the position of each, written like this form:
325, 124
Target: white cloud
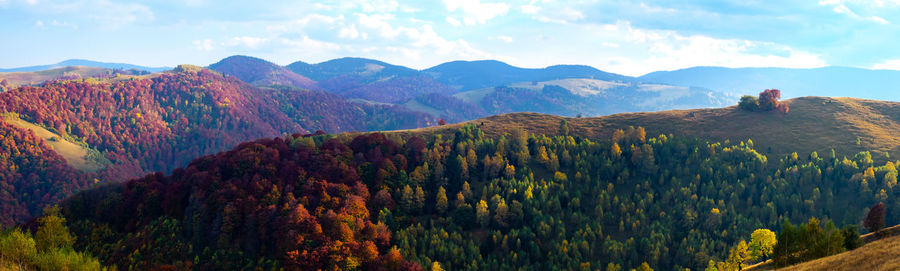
840, 7
506, 39
379, 5
204, 45
609, 44
670, 50
552, 13
249, 42
309, 45
530, 9
349, 32
891, 64
453, 21
475, 11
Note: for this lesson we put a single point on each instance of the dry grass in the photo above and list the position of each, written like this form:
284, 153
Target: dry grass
74, 154
878, 255
813, 124
31, 78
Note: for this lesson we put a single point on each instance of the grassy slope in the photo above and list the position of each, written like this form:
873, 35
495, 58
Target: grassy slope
30, 78
813, 124
75, 155
879, 255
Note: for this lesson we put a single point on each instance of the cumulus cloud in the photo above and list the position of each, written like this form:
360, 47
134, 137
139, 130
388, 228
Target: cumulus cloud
203, 45
890, 64
840, 7
248, 42
104, 13
476, 12
350, 32
453, 21
671, 50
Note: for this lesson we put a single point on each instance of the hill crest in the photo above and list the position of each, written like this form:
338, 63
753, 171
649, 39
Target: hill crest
847, 125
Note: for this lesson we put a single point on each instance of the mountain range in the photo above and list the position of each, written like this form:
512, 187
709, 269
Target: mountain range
550, 192
86, 63
246, 165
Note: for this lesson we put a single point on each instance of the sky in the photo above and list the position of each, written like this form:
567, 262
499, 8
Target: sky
625, 37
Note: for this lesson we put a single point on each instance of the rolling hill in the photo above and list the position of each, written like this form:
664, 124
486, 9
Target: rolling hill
590, 97
13, 79
365, 70
487, 195
107, 130
819, 124
469, 75
828, 81
259, 72
878, 255
87, 63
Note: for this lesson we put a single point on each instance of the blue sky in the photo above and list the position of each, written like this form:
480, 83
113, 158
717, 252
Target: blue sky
627, 37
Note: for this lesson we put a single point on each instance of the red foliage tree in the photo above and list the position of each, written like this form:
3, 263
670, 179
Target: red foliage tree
875, 218
768, 99
301, 206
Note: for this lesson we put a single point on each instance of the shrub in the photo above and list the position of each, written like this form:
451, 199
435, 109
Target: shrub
749, 103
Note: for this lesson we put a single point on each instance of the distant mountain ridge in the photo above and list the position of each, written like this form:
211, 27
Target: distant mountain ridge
464, 90
86, 63
827, 81
468, 75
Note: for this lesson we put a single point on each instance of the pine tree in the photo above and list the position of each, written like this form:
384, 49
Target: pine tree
441, 200
419, 199
482, 215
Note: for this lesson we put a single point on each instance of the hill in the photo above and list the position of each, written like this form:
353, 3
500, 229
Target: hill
259, 72
590, 97
470, 199
818, 124
14, 79
463, 90
87, 63
877, 255
469, 75
365, 70
828, 81
138, 125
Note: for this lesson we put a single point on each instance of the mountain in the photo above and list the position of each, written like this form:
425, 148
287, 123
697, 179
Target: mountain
588, 193
87, 63
368, 70
828, 81
461, 90
13, 79
819, 124
259, 72
469, 75
77, 133
590, 97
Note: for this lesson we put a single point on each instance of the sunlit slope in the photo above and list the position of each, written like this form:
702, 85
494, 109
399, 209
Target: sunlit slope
819, 124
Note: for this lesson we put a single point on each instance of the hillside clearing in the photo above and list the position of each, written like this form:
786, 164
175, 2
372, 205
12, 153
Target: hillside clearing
76, 155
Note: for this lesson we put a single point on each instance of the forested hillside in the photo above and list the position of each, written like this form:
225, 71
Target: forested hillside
157, 123
467, 200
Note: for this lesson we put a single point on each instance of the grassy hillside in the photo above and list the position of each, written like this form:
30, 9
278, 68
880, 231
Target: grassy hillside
879, 255
819, 124
37, 77
77, 156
